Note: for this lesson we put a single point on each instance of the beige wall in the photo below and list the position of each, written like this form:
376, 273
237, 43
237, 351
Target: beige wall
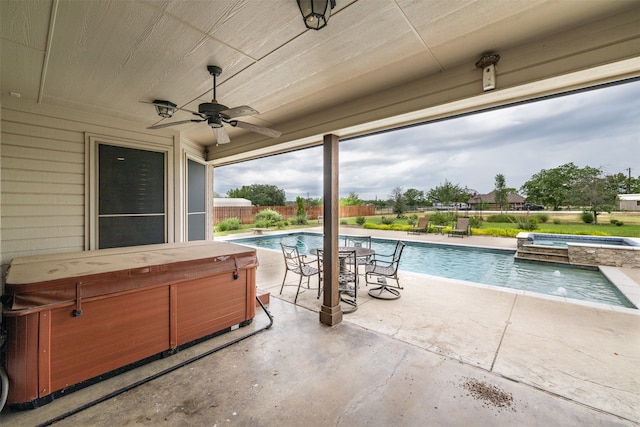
629, 205
44, 177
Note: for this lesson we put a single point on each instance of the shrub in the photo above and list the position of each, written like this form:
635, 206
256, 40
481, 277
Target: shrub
387, 220
542, 217
267, 216
300, 220
263, 223
439, 218
616, 222
475, 222
502, 218
229, 224
395, 227
361, 220
557, 221
587, 217
528, 223
344, 222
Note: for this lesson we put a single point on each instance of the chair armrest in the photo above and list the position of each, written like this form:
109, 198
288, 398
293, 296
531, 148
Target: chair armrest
380, 262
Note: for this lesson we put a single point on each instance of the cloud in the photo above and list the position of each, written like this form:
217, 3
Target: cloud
598, 128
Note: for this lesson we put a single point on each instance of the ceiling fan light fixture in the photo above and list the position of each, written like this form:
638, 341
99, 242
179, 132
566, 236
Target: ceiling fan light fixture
164, 108
316, 13
215, 122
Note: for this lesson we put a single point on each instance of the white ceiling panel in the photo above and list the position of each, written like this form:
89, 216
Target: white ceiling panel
105, 56
25, 23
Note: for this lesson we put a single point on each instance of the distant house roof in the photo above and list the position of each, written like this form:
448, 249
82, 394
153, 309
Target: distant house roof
629, 196
228, 201
491, 198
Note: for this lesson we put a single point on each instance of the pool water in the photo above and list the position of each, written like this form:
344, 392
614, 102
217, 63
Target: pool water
495, 267
561, 240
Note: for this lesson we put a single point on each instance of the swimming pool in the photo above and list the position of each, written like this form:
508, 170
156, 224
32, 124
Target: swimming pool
495, 267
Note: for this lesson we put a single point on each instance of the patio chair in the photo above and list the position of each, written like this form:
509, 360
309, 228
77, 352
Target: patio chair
297, 264
347, 277
358, 242
383, 267
422, 227
462, 227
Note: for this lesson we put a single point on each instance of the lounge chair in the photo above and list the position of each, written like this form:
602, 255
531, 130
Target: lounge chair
462, 227
422, 227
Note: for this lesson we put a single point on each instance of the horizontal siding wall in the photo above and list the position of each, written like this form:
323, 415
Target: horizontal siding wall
43, 179
42, 187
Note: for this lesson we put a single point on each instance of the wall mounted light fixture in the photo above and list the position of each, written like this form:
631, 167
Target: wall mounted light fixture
488, 65
316, 13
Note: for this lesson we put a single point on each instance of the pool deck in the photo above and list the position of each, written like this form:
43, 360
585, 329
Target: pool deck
446, 353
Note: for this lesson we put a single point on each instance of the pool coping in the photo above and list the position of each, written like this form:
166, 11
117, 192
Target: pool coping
627, 286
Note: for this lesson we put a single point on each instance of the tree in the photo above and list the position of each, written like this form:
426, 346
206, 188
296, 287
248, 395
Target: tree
593, 191
398, 201
351, 200
446, 194
502, 192
260, 194
623, 184
551, 187
414, 197
301, 213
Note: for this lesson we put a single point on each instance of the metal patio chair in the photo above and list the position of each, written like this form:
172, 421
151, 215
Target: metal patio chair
298, 264
383, 267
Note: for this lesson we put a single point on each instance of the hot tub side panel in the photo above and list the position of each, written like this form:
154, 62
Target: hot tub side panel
203, 309
110, 333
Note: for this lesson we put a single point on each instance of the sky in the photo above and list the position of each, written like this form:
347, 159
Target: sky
598, 128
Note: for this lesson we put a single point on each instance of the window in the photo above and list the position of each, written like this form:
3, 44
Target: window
131, 197
196, 201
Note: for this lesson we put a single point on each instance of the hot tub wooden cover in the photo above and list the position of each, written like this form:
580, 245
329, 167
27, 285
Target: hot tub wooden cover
43, 280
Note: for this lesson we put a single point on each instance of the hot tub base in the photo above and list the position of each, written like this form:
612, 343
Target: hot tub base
75, 319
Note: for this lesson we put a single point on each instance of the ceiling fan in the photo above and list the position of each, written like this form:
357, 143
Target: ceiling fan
215, 114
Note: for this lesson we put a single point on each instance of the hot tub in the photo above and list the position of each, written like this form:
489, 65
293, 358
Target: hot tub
72, 318
580, 250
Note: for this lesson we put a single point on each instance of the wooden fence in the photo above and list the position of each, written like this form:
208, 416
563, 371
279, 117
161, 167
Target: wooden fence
247, 214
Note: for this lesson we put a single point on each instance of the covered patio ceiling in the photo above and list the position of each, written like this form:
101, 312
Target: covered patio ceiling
378, 64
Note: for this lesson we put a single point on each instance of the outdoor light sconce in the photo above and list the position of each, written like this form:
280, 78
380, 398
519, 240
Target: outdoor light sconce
316, 13
488, 65
164, 108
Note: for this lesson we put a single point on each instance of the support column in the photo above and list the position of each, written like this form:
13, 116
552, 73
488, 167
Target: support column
330, 312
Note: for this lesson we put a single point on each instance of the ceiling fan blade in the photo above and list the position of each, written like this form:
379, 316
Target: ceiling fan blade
257, 129
181, 122
243, 110
192, 112
222, 137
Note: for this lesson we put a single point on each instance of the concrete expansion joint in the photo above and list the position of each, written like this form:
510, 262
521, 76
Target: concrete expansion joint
365, 395
504, 332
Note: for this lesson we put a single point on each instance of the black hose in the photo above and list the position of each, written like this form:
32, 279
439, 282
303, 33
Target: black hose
159, 374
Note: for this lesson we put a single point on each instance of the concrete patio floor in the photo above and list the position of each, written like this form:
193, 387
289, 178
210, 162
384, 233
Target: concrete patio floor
445, 353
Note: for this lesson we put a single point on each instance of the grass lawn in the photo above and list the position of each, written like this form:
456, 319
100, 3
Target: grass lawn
558, 222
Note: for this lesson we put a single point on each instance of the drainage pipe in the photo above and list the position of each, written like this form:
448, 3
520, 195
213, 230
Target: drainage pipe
159, 374
4, 379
